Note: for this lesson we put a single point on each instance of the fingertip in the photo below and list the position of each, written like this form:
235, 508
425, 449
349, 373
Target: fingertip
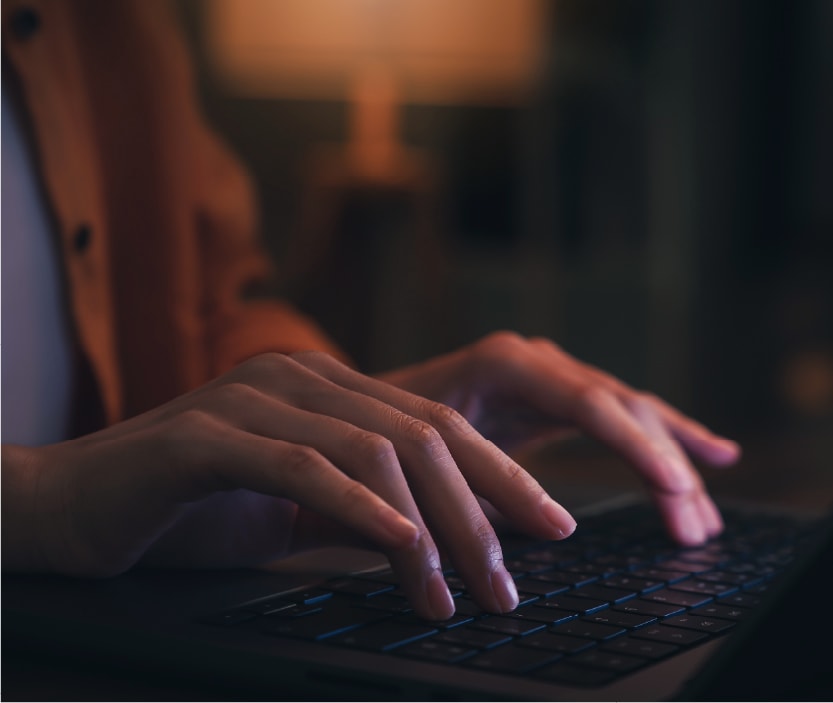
685, 523
731, 450
719, 451
505, 592
562, 523
439, 600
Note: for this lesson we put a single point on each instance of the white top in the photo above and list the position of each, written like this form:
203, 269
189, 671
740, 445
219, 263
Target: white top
36, 350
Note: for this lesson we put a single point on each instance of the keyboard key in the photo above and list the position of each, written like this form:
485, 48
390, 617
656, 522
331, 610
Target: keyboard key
704, 587
455, 620
690, 567
466, 606
600, 570
612, 661
432, 650
513, 659
383, 636
624, 562
713, 626
632, 583
556, 643
507, 625
573, 604
743, 600
309, 596
475, 639
525, 599
705, 555
358, 587
744, 580
669, 635
688, 600
643, 607
557, 556
525, 566
718, 610
539, 588
588, 630
613, 617
665, 575
603, 593
640, 648
550, 616
387, 576
566, 578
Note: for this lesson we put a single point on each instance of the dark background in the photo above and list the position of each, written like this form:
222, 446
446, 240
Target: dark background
662, 207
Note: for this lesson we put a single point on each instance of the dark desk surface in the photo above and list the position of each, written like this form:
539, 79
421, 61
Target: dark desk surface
794, 469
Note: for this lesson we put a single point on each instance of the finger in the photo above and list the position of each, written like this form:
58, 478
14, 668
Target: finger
489, 472
444, 497
691, 515
223, 458
695, 438
365, 456
698, 439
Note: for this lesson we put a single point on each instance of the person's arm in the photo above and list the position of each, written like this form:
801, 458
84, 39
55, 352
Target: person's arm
20, 543
282, 453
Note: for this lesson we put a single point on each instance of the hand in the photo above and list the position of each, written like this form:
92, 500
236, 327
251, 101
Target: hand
282, 453
514, 390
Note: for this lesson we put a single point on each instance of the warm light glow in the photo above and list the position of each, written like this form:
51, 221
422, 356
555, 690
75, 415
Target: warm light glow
440, 51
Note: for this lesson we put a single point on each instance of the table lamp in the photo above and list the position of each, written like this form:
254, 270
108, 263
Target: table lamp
378, 55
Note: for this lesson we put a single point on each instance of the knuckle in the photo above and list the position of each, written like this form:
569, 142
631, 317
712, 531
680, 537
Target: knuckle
237, 393
377, 450
641, 401
190, 424
502, 342
513, 470
591, 399
313, 358
446, 419
413, 430
302, 459
546, 343
485, 539
268, 362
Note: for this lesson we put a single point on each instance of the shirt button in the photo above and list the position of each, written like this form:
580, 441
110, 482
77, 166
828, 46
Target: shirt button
81, 239
24, 23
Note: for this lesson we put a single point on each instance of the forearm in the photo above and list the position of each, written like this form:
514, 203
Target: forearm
21, 546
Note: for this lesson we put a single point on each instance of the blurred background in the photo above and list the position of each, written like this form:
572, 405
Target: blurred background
648, 183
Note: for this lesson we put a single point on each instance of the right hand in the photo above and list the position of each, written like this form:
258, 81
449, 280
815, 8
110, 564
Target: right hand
273, 457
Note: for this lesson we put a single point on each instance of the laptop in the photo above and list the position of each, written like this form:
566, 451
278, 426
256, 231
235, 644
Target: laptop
616, 612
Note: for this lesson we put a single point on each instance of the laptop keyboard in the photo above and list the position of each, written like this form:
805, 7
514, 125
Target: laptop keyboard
610, 600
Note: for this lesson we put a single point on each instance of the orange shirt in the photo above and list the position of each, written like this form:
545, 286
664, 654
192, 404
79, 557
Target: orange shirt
156, 219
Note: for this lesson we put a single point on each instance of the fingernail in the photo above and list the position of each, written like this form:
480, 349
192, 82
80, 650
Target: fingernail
691, 524
439, 598
503, 586
558, 517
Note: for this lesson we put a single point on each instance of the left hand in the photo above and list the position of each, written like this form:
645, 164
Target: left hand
514, 390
